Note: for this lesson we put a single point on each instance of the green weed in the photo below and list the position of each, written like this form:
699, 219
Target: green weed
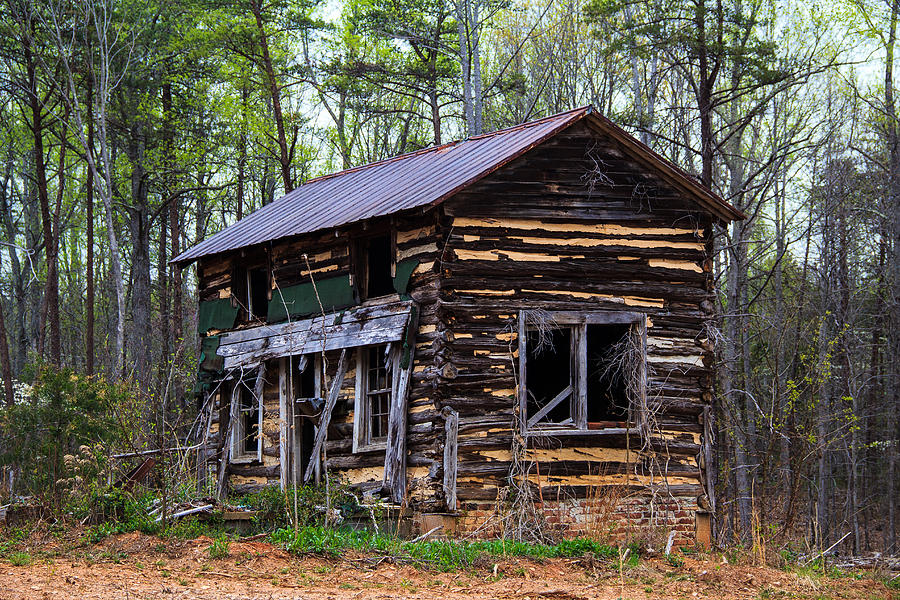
20, 559
219, 548
443, 555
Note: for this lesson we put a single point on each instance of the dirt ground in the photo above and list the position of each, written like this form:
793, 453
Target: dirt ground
135, 566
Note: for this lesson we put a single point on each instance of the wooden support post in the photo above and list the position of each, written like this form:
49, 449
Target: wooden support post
325, 417
395, 453
521, 393
451, 434
225, 454
283, 411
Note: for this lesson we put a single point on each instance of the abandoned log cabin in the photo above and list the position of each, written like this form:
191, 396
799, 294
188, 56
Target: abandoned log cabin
523, 308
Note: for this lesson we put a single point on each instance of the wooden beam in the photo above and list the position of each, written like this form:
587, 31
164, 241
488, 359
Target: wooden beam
225, 455
395, 454
451, 435
362, 326
325, 417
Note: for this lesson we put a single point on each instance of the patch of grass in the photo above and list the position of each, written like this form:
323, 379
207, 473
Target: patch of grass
20, 559
441, 554
219, 548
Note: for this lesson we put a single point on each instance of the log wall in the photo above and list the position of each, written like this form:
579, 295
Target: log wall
572, 225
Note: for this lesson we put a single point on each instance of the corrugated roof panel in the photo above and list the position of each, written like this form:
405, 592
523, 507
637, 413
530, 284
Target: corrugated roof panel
382, 188
422, 178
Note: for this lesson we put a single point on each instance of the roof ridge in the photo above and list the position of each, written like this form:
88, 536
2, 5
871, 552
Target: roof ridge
446, 145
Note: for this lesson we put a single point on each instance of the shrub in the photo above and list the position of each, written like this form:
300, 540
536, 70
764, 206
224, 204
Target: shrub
275, 507
59, 438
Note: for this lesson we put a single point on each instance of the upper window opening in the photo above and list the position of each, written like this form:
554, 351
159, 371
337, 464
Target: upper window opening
581, 370
250, 287
258, 292
374, 258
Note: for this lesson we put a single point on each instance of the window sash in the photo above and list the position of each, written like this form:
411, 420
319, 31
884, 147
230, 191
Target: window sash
243, 404
577, 322
373, 404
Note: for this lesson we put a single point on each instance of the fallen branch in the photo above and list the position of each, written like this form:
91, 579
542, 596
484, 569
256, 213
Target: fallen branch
824, 552
426, 534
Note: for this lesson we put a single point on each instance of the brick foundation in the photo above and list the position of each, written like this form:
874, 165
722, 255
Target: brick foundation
637, 517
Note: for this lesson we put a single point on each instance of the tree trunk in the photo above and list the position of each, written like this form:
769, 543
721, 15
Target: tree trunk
477, 85
89, 201
5, 365
462, 23
284, 157
50, 304
893, 209
140, 256
242, 156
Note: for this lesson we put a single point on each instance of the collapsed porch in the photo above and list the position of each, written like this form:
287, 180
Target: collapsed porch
271, 431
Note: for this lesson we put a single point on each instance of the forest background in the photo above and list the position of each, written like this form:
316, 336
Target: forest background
132, 130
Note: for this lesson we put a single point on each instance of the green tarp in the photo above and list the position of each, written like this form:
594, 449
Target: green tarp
403, 273
216, 314
300, 300
209, 360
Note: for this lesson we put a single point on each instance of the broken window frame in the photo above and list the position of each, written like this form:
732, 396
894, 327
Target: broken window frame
361, 267
241, 390
362, 416
578, 322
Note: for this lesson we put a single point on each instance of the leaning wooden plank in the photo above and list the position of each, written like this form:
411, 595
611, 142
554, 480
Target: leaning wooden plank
325, 418
260, 409
550, 406
395, 454
451, 434
226, 444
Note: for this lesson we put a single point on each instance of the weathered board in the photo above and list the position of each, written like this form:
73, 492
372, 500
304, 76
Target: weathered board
346, 329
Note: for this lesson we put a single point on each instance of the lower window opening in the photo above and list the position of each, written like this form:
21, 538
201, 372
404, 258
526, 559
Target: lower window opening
582, 375
548, 371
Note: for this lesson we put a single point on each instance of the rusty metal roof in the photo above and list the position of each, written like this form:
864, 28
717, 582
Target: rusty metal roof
417, 179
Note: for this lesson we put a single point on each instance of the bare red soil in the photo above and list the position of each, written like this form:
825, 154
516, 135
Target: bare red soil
133, 566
